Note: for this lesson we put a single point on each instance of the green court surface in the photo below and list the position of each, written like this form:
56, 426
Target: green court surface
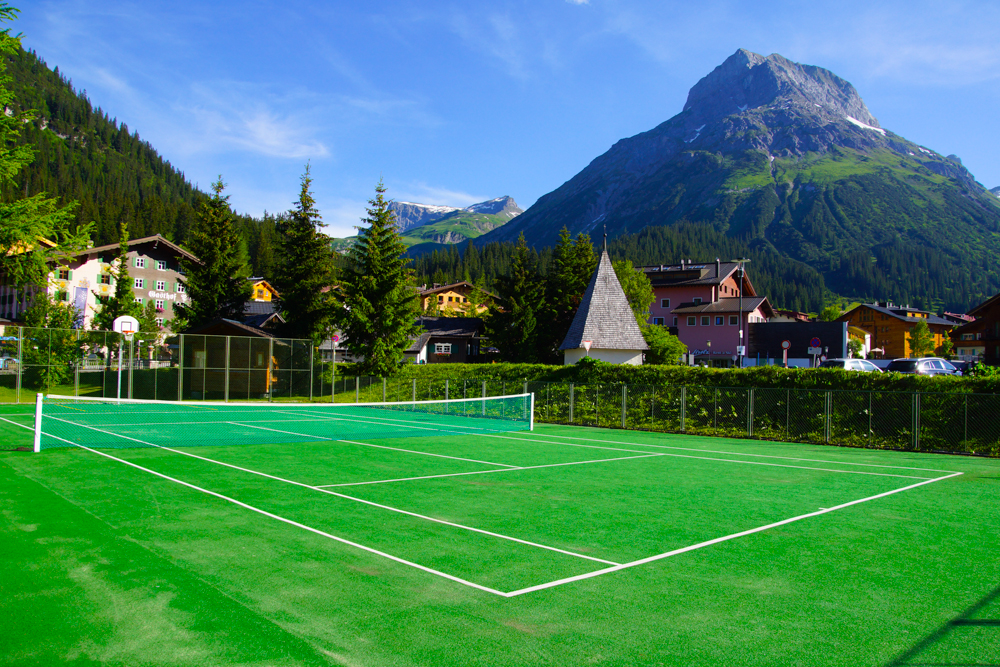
559, 546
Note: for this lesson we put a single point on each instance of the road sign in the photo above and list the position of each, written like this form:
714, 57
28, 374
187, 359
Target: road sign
587, 344
785, 344
815, 350
815, 342
335, 338
741, 350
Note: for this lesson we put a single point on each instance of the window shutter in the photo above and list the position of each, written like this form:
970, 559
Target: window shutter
71, 274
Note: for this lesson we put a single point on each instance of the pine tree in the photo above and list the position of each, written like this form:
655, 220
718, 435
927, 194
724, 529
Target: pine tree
512, 324
217, 286
305, 274
572, 265
23, 259
123, 301
380, 312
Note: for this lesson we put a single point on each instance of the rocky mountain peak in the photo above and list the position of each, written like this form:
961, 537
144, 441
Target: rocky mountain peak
747, 81
996, 190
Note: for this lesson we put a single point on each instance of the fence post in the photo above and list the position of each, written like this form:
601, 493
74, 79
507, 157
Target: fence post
715, 409
20, 365
965, 438
750, 412
312, 361
357, 389
226, 383
414, 399
447, 387
76, 365
570, 402
180, 368
827, 417
870, 432
788, 412
484, 398
624, 403
684, 408
916, 420
383, 390
270, 369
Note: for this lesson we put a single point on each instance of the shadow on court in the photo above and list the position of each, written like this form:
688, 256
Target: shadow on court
970, 639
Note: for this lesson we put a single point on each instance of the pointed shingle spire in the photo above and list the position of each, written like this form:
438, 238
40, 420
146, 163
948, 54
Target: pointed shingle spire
604, 317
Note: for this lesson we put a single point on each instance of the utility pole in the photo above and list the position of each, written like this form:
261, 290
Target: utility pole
741, 272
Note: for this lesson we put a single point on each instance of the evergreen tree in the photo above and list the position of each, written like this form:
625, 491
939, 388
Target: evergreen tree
570, 270
23, 259
379, 317
122, 302
305, 274
920, 339
512, 323
52, 345
217, 286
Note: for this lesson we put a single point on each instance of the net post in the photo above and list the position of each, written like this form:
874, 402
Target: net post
383, 390
531, 410
37, 445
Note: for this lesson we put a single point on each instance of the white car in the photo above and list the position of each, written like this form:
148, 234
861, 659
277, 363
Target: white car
851, 365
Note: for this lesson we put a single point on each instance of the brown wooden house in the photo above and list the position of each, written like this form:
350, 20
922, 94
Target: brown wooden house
980, 340
890, 326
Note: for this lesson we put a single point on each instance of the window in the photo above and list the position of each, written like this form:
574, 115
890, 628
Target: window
440, 299
442, 348
139, 300
658, 320
697, 300
105, 279
161, 285
664, 303
675, 321
692, 320
732, 320
161, 265
62, 295
140, 262
465, 300
450, 299
140, 283
181, 289
65, 274
159, 306
159, 321
719, 320
705, 320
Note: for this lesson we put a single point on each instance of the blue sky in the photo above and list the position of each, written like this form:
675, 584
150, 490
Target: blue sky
458, 102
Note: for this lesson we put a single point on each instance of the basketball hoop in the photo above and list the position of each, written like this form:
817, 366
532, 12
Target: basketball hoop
126, 325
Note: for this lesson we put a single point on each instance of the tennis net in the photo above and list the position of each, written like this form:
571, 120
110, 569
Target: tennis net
65, 421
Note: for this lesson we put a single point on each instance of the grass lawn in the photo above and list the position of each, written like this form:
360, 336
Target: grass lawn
561, 546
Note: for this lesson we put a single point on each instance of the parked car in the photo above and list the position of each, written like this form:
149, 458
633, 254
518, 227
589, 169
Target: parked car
851, 365
923, 366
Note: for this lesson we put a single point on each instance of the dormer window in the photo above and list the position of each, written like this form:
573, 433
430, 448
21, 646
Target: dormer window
697, 301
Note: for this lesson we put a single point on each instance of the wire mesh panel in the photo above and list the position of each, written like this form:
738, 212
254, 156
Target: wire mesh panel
771, 411
851, 418
941, 422
700, 412
891, 420
982, 427
807, 415
732, 409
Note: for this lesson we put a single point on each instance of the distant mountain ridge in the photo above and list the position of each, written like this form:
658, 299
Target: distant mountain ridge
996, 191
787, 159
411, 215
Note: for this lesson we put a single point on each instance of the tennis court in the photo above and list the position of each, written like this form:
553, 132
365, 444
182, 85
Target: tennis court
454, 533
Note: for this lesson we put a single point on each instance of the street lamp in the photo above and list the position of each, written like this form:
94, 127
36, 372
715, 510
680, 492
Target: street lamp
741, 350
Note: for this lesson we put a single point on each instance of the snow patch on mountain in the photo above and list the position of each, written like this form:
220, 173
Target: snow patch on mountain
855, 121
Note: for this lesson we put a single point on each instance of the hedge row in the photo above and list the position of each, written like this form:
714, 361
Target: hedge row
591, 372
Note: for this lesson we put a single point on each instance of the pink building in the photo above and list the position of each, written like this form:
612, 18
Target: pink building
701, 305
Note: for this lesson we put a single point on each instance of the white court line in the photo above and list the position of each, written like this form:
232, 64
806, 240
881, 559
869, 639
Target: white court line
701, 545
357, 500
487, 472
398, 449
538, 587
290, 522
537, 439
765, 456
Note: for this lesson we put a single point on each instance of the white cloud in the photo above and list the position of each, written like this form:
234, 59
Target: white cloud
578, 2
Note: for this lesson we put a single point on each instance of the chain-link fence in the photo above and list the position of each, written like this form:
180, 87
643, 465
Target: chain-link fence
923, 421
231, 368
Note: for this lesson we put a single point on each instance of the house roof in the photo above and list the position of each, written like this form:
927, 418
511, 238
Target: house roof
729, 304
445, 327
691, 273
604, 316
157, 239
900, 313
258, 307
257, 280
445, 288
979, 310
